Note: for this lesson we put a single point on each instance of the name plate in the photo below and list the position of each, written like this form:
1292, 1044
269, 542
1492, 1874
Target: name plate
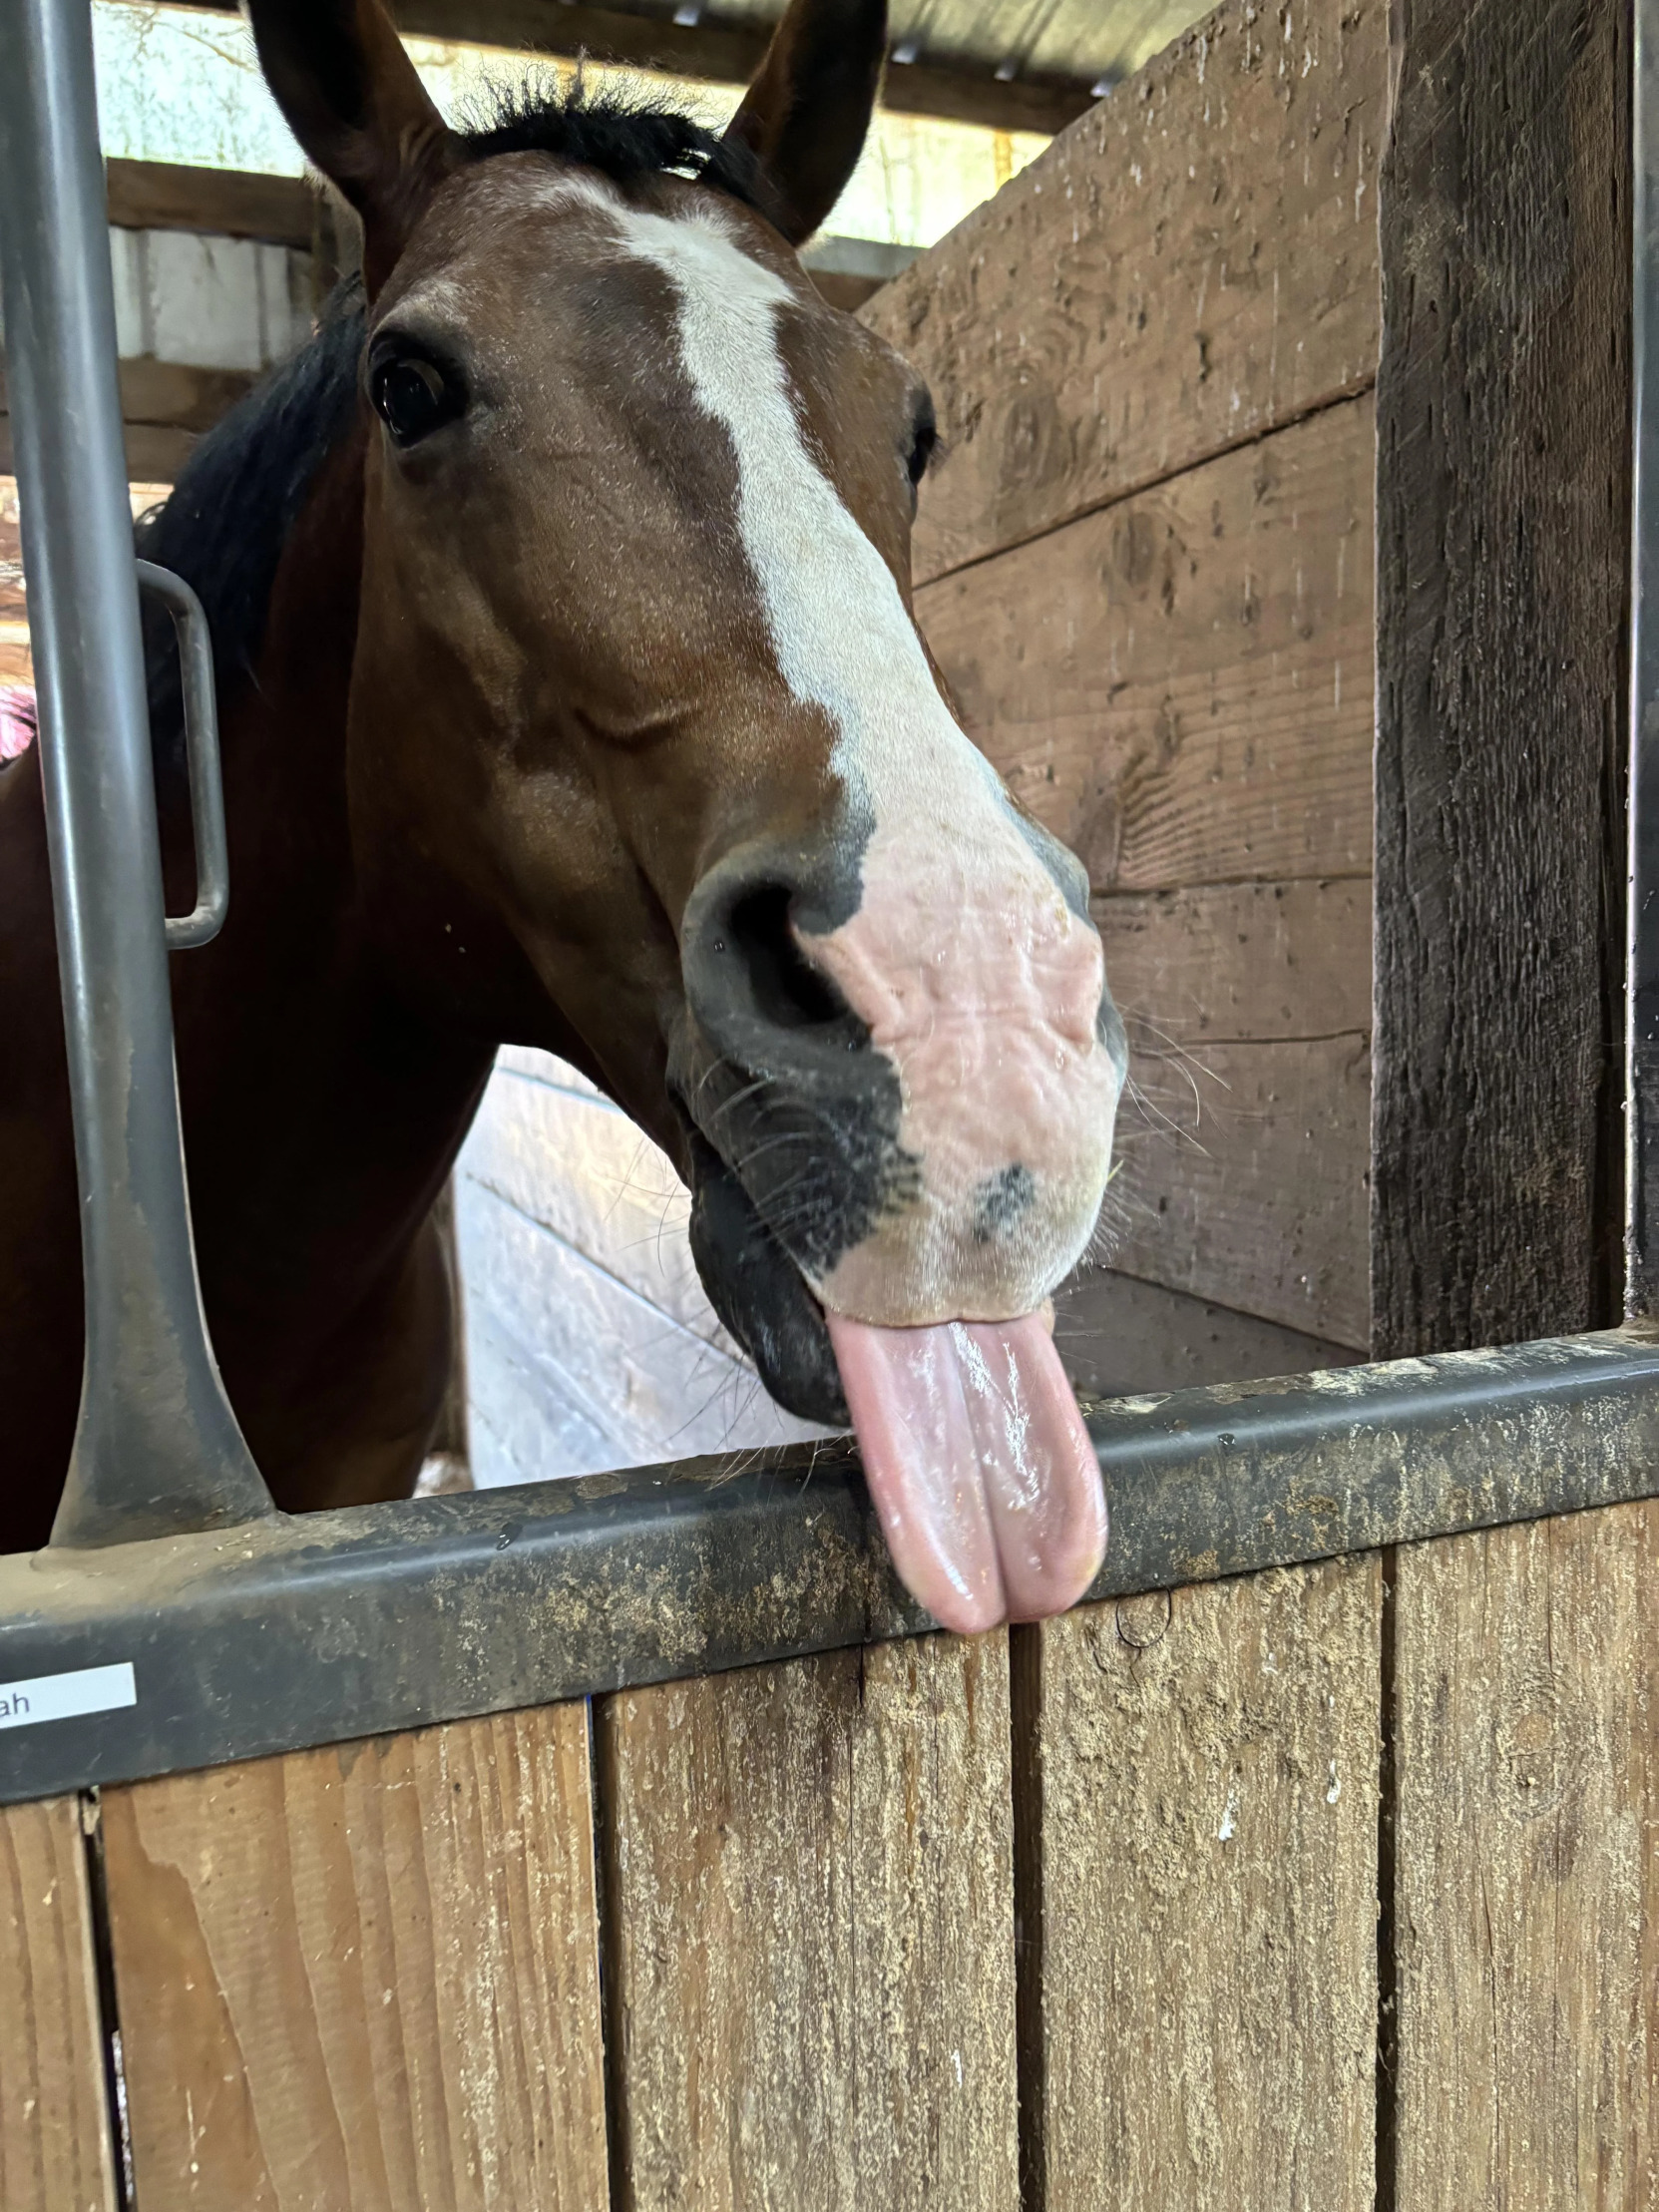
87, 1690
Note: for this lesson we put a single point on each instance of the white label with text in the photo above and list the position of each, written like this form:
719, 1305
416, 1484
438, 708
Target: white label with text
87, 1689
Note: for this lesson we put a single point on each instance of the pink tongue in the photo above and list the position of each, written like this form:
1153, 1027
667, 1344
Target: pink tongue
979, 1462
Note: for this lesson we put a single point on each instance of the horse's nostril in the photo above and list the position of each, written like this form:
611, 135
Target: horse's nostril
785, 989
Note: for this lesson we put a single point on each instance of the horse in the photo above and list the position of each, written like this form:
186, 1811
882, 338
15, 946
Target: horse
571, 696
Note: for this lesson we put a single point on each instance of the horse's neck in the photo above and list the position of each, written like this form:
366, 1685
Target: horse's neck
322, 1109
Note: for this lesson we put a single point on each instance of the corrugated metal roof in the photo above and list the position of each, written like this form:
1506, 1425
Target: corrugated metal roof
1010, 64
1083, 41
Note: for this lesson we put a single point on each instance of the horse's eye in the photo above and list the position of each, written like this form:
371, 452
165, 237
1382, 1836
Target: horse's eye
413, 397
924, 439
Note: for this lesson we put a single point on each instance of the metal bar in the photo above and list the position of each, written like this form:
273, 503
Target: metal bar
212, 850
346, 1624
1642, 949
157, 1447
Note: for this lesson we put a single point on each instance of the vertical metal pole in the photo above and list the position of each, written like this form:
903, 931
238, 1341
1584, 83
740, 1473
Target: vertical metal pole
157, 1448
1642, 995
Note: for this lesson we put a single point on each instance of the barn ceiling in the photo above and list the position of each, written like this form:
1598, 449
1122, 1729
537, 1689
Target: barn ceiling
1081, 40
1015, 65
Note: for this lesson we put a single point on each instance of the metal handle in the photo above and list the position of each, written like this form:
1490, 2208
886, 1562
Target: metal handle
212, 854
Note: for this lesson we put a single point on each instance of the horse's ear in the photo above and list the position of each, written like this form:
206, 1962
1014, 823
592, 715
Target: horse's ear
804, 119
339, 74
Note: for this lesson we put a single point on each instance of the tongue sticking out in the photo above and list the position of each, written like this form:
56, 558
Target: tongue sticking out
979, 1465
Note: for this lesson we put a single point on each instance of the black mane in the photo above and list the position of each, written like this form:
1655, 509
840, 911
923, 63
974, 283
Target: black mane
623, 139
224, 527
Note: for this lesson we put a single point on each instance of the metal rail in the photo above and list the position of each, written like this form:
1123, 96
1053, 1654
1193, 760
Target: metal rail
338, 1626
157, 1446
218, 1643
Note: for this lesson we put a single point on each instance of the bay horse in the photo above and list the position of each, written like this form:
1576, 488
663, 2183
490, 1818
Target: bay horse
571, 696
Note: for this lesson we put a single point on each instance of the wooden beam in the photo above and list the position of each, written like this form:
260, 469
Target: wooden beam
230, 203
1502, 526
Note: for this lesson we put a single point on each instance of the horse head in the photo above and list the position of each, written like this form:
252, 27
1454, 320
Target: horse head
642, 722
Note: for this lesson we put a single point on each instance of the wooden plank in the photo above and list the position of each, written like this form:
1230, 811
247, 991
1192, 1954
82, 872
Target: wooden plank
1191, 265
1239, 963
1243, 1181
1180, 686
171, 394
55, 2150
1198, 1781
1527, 1905
365, 1978
808, 1939
1121, 1338
230, 203
1503, 467
1245, 1141
154, 455
164, 405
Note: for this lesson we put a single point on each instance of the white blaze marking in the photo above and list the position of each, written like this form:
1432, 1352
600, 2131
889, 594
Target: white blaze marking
843, 639
962, 957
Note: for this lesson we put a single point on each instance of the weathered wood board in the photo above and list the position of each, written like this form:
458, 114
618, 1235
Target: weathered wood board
1197, 1777
1526, 1905
1180, 686
1192, 264
55, 2148
1503, 468
1246, 1140
1119, 1337
1238, 964
809, 1936
1246, 1184
366, 1978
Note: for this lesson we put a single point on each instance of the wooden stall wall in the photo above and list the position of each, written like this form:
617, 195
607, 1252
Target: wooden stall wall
1144, 564
1522, 1887
1326, 1888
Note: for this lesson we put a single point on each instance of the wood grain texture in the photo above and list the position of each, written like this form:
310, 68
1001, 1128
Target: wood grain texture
1121, 1338
1198, 1897
1244, 1180
1239, 963
1190, 264
1526, 1907
1503, 474
155, 452
809, 1949
228, 203
366, 1978
1180, 686
55, 2150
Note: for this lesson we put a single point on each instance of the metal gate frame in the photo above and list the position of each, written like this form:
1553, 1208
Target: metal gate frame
249, 1631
